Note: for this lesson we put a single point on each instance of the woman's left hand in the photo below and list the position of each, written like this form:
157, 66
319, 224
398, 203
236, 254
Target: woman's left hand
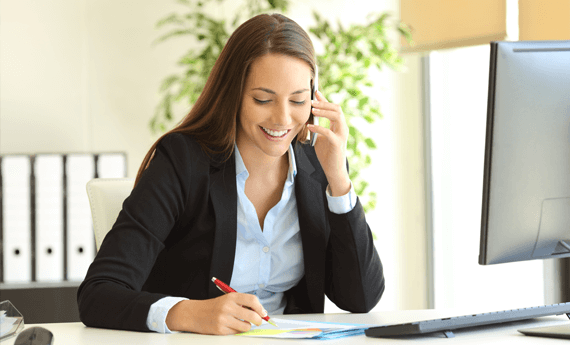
331, 144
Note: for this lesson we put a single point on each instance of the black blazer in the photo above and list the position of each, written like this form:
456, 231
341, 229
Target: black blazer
177, 230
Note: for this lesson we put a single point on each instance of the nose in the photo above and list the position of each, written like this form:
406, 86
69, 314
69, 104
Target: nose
282, 117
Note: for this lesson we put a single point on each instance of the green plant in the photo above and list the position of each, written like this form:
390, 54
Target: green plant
344, 66
210, 35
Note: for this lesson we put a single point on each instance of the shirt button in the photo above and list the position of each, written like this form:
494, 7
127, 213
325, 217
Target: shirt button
154, 324
265, 249
261, 286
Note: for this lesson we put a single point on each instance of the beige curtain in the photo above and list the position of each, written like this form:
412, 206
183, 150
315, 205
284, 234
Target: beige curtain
440, 24
544, 20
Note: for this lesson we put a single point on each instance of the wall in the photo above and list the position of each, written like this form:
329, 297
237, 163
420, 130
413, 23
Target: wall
82, 75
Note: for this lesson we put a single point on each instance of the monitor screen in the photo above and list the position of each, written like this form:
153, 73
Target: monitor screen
526, 187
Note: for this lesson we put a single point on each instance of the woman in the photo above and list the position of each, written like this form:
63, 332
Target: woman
235, 192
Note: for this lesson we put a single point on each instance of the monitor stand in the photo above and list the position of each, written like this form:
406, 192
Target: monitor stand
558, 331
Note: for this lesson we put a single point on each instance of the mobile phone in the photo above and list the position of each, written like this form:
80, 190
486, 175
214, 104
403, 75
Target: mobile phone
313, 96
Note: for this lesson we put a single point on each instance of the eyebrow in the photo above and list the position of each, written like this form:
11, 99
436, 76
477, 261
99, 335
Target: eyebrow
273, 92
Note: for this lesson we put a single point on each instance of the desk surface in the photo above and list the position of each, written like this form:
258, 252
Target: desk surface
76, 333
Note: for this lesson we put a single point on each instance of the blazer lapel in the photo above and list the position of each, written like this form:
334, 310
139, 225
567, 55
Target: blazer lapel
223, 194
312, 222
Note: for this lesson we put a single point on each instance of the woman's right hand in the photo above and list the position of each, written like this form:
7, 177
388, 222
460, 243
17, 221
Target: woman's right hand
221, 315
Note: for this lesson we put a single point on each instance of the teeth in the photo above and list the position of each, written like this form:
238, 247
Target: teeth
274, 133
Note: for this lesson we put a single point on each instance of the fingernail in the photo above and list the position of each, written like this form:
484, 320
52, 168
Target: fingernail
264, 313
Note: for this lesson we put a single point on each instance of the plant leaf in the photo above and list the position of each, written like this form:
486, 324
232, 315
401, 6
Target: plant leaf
370, 143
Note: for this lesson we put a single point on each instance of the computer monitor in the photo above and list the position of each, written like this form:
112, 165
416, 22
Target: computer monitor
526, 187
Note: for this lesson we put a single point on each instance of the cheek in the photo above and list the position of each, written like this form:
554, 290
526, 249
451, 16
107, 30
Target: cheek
248, 114
302, 114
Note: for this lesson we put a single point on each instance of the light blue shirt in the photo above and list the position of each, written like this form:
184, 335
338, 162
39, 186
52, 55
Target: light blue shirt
269, 262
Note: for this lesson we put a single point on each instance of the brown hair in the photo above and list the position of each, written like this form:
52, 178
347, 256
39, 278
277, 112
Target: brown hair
213, 119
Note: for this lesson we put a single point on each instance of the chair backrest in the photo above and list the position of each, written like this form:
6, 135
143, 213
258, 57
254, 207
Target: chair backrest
106, 196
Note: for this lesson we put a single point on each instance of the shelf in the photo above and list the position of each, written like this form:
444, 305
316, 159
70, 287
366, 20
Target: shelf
43, 302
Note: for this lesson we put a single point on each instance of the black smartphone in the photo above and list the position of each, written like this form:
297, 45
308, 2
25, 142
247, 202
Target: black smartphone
313, 96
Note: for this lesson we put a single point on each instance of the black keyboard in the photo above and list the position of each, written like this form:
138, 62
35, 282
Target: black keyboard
446, 325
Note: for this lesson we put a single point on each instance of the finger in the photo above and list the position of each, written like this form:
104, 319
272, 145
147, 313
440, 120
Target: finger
324, 104
329, 110
252, 302
320, 96
337, 122
238, 326
321, 130
224, 324
248, 315
332, 115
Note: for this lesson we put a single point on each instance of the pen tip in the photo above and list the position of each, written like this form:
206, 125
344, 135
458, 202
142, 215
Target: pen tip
213, 279
272, 323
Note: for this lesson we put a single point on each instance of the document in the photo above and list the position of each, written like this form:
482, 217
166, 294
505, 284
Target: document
305, 330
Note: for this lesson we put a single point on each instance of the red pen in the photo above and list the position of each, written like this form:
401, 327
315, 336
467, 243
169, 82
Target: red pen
227, 289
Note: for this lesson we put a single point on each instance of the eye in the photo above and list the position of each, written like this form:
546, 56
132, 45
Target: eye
299, 103
259, 101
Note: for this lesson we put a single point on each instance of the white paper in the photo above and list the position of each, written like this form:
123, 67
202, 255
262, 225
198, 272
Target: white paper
299, 329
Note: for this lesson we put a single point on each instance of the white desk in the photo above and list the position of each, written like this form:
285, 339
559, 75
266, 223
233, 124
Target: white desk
76, 333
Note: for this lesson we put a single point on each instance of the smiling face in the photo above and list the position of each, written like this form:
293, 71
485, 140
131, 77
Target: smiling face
276, 105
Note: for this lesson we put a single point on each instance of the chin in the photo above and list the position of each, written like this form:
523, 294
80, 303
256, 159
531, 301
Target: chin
276, 151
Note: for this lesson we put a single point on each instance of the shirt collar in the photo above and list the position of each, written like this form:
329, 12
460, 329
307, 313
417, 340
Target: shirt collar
241, 169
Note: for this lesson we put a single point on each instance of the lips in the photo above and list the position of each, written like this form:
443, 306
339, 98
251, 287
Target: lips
275, 134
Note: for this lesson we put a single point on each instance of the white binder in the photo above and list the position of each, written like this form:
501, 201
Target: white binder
48, 171
111, 165
16, 219
80, 168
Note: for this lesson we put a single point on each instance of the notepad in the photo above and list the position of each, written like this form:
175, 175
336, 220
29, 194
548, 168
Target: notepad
295, 329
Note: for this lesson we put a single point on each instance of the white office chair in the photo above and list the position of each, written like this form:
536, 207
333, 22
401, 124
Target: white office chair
106, 196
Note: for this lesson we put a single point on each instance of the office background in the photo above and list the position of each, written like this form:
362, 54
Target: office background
82, 76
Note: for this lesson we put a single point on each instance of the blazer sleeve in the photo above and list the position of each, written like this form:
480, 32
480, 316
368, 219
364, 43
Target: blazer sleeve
354, 274
111, 296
